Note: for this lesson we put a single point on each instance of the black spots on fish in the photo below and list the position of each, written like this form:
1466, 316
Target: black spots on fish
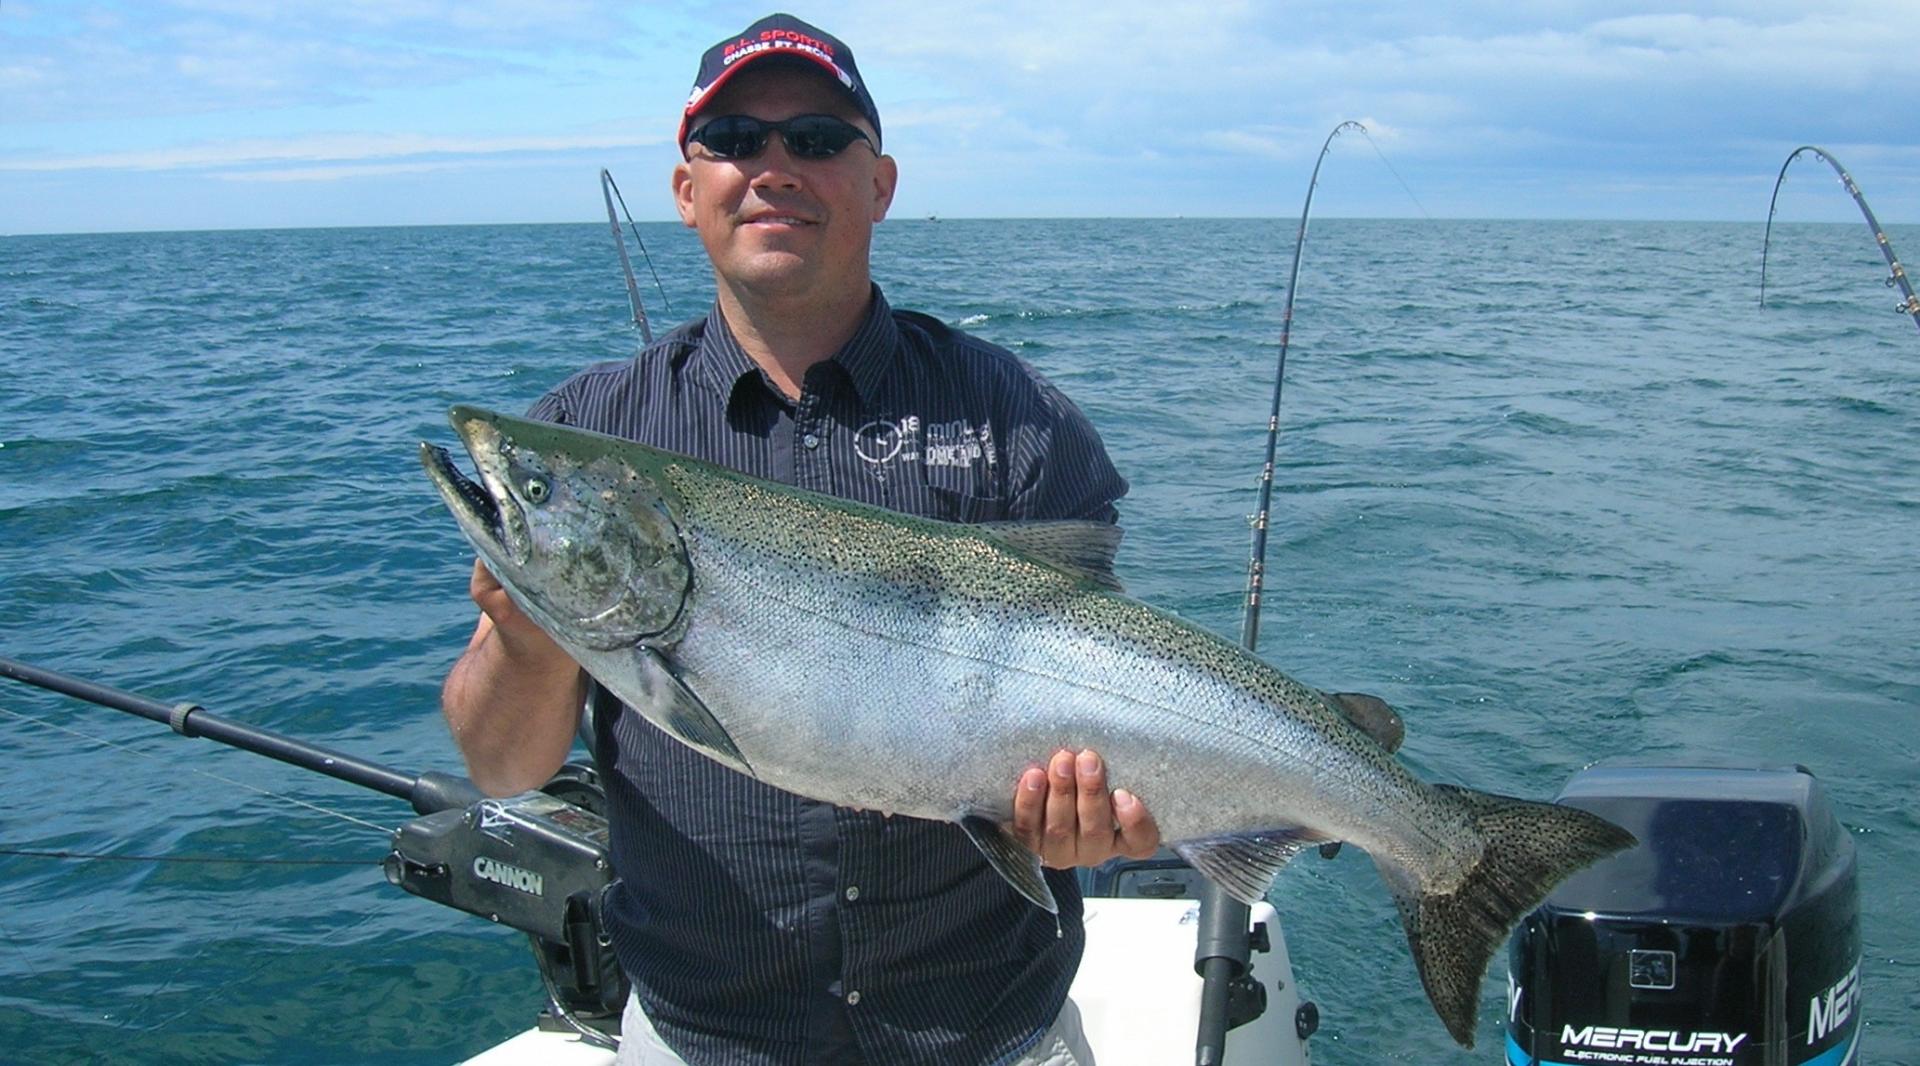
1453, 930
902, 568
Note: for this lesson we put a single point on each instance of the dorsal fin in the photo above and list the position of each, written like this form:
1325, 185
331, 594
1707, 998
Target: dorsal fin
1371, 714
1081, 548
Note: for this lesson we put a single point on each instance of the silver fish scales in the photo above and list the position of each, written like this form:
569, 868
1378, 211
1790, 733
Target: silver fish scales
876, 660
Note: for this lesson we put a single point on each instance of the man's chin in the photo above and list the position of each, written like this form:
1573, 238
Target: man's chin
775, 271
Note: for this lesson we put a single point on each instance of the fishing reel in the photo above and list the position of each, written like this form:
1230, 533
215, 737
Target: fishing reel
536, 862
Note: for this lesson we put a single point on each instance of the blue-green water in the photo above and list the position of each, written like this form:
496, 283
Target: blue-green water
1559, 491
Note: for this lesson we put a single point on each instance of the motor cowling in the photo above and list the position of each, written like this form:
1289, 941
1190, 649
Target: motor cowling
1730, 936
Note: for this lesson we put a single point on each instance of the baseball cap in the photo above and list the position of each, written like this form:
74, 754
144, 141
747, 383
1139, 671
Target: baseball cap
779, 35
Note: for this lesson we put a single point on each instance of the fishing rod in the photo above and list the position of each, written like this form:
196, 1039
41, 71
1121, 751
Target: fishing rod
1225, 945
608, 191
536, 862
1898, 275
1257, 561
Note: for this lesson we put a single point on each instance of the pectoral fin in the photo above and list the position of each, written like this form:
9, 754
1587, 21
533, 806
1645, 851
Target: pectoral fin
677, 709
1011, 860
1246, 864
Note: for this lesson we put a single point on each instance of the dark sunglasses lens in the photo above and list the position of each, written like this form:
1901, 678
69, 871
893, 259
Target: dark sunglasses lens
806, 137
819, 136
733, 137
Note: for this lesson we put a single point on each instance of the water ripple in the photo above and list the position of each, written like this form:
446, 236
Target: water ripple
1568, 495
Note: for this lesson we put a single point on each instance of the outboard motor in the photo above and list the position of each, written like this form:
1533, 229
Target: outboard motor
1729, 937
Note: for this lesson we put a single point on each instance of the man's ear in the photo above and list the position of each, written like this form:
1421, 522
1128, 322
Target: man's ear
886, 174
683, 193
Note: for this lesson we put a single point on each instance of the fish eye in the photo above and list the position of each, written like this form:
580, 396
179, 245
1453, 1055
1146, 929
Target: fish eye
537, 490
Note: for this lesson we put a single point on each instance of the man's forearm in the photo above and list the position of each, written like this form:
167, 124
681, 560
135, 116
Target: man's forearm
512, 706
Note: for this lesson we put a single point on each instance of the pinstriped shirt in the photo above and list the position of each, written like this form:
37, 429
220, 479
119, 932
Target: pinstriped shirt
763, 929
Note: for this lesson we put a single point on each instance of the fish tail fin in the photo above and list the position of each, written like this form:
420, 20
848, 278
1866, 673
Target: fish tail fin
1527, 849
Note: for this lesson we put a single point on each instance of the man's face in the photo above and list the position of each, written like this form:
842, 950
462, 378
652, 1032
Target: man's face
776, 225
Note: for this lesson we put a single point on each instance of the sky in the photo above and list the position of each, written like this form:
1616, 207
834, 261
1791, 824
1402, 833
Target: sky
217, 114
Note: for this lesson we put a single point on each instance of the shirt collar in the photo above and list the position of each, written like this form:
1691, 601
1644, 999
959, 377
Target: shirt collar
720, 364
868, 354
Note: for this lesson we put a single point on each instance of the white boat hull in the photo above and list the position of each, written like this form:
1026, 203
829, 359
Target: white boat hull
1138, 995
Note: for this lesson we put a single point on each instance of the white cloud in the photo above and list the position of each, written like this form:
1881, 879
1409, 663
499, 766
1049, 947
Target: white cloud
327, 148
1094, 104
339, 173
185, 57
1247, 142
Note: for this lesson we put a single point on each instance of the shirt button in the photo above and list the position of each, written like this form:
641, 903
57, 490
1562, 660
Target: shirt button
853, 893
853, 998
810, 440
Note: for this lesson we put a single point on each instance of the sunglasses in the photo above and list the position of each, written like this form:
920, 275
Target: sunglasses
806, 136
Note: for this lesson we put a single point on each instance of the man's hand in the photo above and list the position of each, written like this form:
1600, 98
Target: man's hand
504, 621
513, 698
1067, 815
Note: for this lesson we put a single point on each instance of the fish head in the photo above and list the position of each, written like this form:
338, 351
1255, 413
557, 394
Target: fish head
577, 527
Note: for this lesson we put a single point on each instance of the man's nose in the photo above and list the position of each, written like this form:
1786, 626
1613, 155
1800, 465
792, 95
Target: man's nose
775, 168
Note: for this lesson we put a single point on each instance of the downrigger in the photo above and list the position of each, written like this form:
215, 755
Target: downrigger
536, 862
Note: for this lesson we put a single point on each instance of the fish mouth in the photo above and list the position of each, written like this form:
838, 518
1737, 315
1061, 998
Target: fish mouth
482, 506
469, 500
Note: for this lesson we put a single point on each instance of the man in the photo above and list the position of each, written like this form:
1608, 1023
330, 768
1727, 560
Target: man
758, 927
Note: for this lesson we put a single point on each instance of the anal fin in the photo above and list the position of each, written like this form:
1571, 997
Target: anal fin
1011, 860
1245, 864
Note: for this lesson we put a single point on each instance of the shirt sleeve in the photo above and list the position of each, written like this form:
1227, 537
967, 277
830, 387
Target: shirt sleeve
1065, 473
552, 407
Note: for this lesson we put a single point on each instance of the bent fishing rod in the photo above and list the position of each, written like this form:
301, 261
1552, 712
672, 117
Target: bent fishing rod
536, 862
608, 192
1225, 946
1897, 274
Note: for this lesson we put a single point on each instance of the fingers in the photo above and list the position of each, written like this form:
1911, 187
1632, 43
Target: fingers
1065, 813
1060, 843
1139, 834
501, 621
1094, 805
485, 589
1030, 807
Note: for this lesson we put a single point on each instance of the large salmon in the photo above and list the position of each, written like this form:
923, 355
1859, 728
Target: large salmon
876, 660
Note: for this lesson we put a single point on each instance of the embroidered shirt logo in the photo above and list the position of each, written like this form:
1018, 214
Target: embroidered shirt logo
958, 443
882, 440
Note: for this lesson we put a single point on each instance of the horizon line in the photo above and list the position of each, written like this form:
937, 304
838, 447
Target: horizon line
675, 223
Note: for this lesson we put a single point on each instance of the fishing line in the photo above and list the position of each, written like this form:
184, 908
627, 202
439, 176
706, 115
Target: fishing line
1898, 273
1396, 174
197, 1000
15, 941
132, 1021
382, 830
94, 856
558, 1004
609, 191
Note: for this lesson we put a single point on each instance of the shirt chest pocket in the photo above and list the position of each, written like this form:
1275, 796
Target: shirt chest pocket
962, 494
